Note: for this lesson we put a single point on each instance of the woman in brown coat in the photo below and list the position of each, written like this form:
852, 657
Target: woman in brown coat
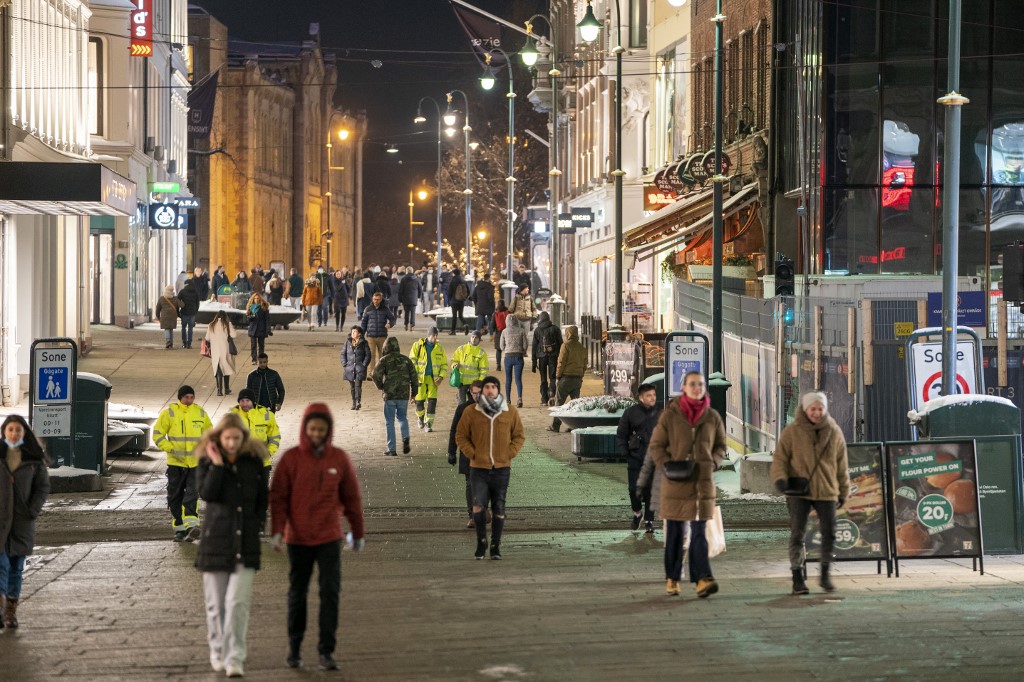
688, 429
167, 309
813, 448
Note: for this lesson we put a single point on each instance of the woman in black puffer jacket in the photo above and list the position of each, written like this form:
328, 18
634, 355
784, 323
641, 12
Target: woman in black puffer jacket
233, 482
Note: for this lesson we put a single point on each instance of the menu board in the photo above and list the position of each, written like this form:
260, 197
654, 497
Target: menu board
861, 531
933, 499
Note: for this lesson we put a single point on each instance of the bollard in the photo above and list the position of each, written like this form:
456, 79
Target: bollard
556, 310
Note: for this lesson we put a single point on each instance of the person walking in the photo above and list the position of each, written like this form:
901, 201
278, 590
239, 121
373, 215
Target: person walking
220, 336
498, 325
812, 449
323, 279
233, 483
241, 284
458, 294
258, 313
491, 435
547, 344
340, 300
454, 454
266, 383
355, 360
256, 280
483, 302
295, 286
572, 366
521, 278
443, 281
514, 347
382, 285
632, 439
523, 308
275, 289
260, 422
189, 298
396, 377
315, 485
393, 299
167, 310
376, 321
688, 430
431, 367
24, 487
201, 283
409, 292
220, 279
177, 430
471, 361
312, 297
364, 294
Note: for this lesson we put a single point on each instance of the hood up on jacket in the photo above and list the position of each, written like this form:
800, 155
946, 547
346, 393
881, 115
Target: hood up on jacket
572, 333
321, 411
512, 321
543, 319
391, 346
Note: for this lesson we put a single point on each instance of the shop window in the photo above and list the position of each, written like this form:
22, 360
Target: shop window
907, 243
850, 231
764, 69
854, 27
973, 254
851, 141
97, 85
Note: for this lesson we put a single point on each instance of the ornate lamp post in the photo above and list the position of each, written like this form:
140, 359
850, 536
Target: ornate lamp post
342, 135
487, 82
450, 117
420, 118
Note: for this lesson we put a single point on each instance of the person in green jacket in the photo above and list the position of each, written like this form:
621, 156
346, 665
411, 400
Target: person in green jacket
396, 376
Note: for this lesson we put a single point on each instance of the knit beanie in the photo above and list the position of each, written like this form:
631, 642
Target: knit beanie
492, 380
185, 390
812, 397
247, 394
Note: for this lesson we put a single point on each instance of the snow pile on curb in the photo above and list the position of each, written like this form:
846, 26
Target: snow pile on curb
596, 405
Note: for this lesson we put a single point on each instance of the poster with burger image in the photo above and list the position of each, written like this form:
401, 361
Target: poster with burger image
861, 532
934, 498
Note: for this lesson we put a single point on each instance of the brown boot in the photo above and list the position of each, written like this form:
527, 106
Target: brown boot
11, 613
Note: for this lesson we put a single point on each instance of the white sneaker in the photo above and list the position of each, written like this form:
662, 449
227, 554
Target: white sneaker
216, 664
234, 671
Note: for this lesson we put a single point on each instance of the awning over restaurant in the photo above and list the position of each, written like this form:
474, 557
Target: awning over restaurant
682, 221
85, 188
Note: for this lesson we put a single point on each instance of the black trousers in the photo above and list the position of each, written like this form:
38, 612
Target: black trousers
490, 486
636, 500
182, 494
327, 558
357, 392
457, 319
340, 311
546, 367
257, 345
799, 509
568, 389
409, 313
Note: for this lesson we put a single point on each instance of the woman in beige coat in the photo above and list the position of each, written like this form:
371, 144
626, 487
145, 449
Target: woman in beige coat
688, 429
217, 335
813, 448
167, 309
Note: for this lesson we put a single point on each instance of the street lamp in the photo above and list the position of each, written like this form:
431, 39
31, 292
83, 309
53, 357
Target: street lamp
342, 135
450, 118
510, 179
482, 235
589, 28
420, 118
529, 57
421, 195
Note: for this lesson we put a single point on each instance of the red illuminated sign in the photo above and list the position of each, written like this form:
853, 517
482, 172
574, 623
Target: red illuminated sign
142, 29
899, 253
655, 198
897, 182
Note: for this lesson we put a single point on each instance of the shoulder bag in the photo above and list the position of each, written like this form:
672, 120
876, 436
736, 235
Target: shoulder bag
232, 348
204, 348
798, 486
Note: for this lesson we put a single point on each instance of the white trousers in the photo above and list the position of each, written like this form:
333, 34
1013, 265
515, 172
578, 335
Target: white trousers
228, 596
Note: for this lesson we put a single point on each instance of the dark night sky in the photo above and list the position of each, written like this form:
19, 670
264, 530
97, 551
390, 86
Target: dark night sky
423, 51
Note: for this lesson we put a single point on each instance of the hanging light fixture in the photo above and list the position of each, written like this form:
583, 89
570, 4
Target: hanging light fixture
449, 117
529, 53
589, 26
487, 79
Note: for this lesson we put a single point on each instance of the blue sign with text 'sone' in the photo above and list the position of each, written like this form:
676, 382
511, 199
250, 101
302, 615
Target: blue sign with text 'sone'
970, 309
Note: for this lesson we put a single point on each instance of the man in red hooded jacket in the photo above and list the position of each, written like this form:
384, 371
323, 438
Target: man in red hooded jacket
314, 485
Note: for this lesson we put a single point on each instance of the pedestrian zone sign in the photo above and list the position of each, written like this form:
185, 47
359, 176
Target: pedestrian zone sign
53, 376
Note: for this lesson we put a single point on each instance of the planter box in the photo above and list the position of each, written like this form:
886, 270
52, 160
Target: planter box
703, 273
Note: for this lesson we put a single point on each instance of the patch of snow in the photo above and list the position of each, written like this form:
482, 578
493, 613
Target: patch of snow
446, 311
942, 401
607, 405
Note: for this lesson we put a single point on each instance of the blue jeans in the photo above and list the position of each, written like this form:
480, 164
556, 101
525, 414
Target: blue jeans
483, 321
188, 323
392, 409
513, 365
11, 570
675, 534
323, 313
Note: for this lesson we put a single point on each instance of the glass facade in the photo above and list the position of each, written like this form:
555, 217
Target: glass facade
882, 133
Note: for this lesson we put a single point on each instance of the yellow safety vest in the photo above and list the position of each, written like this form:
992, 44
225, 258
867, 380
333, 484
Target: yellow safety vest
473, 363
177, 432
438, 360
262, 424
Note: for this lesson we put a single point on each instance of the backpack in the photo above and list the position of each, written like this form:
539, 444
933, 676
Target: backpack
548, 342
461, 292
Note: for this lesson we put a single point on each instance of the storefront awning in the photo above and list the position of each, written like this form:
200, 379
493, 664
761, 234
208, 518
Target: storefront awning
669, 220
64, 189
677, 227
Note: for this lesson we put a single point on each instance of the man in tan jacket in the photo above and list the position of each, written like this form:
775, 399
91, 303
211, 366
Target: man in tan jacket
490, 434
572, 365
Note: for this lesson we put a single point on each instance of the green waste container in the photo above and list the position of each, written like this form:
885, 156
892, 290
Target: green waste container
994, 424
90, 426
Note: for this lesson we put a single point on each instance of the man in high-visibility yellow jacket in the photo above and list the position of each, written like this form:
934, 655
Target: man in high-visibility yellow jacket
177, 432
260, 421
472, 363
431, 367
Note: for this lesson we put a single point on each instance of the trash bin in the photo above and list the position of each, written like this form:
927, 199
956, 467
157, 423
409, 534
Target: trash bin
994, 424
90, 426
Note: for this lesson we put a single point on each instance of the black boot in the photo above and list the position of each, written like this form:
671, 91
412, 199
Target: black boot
220, 384
799, 586
227, 384
826, 580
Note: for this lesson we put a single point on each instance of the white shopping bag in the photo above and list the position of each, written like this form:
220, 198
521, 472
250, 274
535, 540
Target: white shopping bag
715, 532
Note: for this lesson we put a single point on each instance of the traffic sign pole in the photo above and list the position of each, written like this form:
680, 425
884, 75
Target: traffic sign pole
52, 375
685, 352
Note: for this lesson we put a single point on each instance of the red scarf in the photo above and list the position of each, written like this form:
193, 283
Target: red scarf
692, 409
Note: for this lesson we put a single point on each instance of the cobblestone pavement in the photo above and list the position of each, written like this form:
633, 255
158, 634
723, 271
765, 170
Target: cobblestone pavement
108, 596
